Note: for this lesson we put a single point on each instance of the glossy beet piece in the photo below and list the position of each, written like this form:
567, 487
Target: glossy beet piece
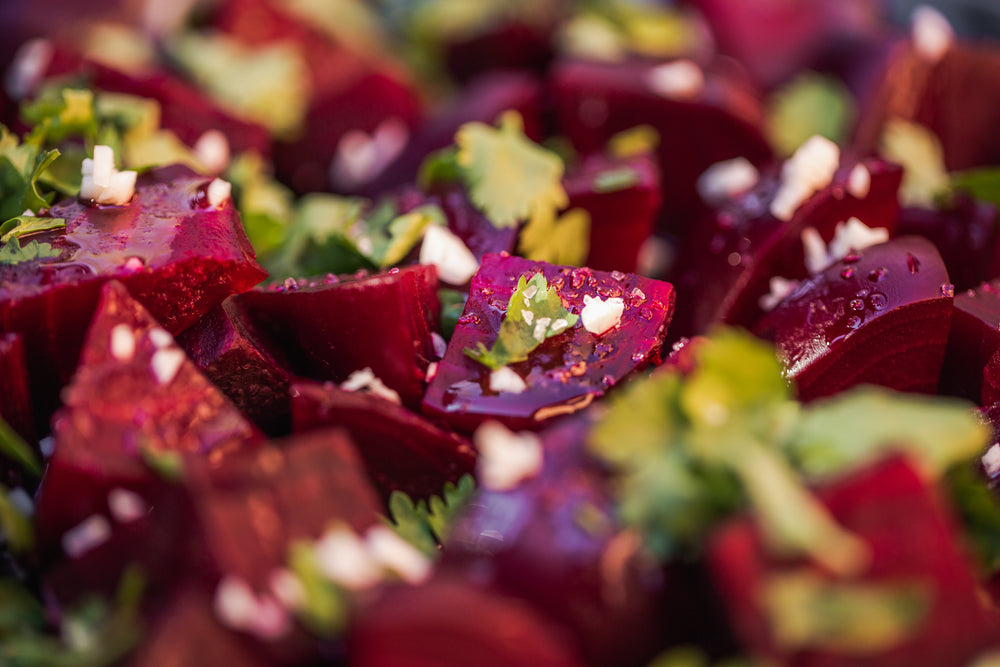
401, 450
134, 393
15, 408
512, 44
482, 100
880, 316
974, 340
899, 515
594, 101
622, 197
727, 265
449, 623
964, 232
176, 256
331, 328
566, 372
242, 362
957, 98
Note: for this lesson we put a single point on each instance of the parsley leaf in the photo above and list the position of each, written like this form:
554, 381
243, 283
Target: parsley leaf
16, 529
24, 225
425, 525
21, 166
919, 151
323, 608
16, 449
535, 312
976, 507
13, 253
982, 183
509, 177
562, 241
811, 104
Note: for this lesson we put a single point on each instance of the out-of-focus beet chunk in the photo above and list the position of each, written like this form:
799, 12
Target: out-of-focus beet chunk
973, 341
402, 450
697, 127
15, 409
911, 540
331, 328
134, 396
879, 316
176, 255
622, 197
448, 623
565, 372
727, 265
243, 363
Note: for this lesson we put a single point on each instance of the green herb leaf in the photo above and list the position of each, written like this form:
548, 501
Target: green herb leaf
440, 167
21, 166
318, 241
24, 225
13, 253
20, 611
168, 465
638, 140
811, 104
452, 305
16, 449
612, 180
564, 241
425, 525
266, 206
977, 510
324, 607
982, 183
534, 313
925, 178
63, 112
16, 528
509, 177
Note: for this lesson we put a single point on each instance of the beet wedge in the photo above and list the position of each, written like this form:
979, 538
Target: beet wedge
881, 316
177, 255
567, 371
333, 327
973, 341
897, 514
16, 406
401, 450
136, 400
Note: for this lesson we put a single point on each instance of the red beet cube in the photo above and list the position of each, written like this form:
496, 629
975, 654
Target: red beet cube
16, 406
974, 340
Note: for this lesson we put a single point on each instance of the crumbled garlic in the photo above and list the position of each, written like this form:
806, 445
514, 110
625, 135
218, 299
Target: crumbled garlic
212, 151
847, 236
360, 156
439, 343
160, 337
126, 506
600, 315
397, 555
814, 250
504, 379
680, 79
366, 380
219, 192
344, 559
122, 342
780, 289
809, 170
726, 180
859, 183
454, 261
991, 460
165, 364
506, 458
104, 184
931, 33
28, 67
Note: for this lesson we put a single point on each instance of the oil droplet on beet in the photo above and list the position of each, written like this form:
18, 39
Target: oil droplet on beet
912, 263
878, 274
847, 273
857, 304
947, 289
877, 301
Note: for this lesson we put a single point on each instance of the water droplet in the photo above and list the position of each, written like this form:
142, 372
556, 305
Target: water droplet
912, 263
853, 322
861, 293
639, 357
851, 258
291, 284
856, 304
847, 272
331, 279
646, 313
947, 289
618, 275
577, 280
636, 298
878, 274
734, 259
468, 318
877, 301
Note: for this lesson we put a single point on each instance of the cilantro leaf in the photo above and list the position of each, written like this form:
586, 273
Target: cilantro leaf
562, 241
16, 449
21, 166
509, 177
919, 151
982, 183
811, 104
439, 167
20, 611
323, 609
452, 305
534, 313
637, 140
977, 510
24, 225
13, 253
16, 529
266, 206
425, 525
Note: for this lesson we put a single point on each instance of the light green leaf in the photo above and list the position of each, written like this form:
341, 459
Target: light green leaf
16, 529
425, 525
13, 253
982, 183
324, 609
811, 104
24, 225
565, 241
612, 180
16, 449
925, 178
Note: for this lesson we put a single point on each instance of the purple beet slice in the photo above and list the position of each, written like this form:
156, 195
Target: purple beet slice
622, 197
242, 362
15, 409
726, 266
893, 509
177, 256
594, 101
566, 372
401, 450
332, 327
974, 340
134, 398
880, 316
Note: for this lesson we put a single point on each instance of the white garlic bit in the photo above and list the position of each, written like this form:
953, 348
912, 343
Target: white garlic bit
601, 315
454, 261
104, 184
505, 458
931, 33
806, 172
680, 79
505, 379
728, 179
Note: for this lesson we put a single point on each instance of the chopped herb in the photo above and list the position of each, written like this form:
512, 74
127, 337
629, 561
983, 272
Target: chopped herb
16, 529
811, 104
563, 241
919, 151
20, 611
13, 447
440, 167
21, 166
982, 183
323, 609
976, 508
452, 305
24, 225
534, 313
638, 140
425, 525
612, 180
13, 253
169, 465
509, 177
266, 206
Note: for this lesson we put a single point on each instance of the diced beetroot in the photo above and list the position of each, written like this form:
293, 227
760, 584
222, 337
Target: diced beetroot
242, 362
514, 44
596, 100
401, 450
566, 372
880, 316
965, 233
331, 328
447, 623
482, 100
623, 200
921, 91
726, 266
135, 394
176, 255
973, 341
15, 409
911, 539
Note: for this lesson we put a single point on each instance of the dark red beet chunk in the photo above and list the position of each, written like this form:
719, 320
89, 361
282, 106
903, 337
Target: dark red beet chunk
973, 341
595, 100
566, 372
726, 266
134, 392
332, 328
445, 623
911, 539
176, 256
15, 408
880, 316
623, 199
243, 363
401, 450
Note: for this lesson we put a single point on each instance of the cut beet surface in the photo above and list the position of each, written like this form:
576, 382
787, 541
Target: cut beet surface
244, 364
881, 316
135, 396
722, 120
176, 255
911, 541
622, 197
974, 340
402, 450
15, 408
726, 266
333, 327
567, 371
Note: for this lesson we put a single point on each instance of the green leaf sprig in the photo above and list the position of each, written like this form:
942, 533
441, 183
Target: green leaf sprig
426, 524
